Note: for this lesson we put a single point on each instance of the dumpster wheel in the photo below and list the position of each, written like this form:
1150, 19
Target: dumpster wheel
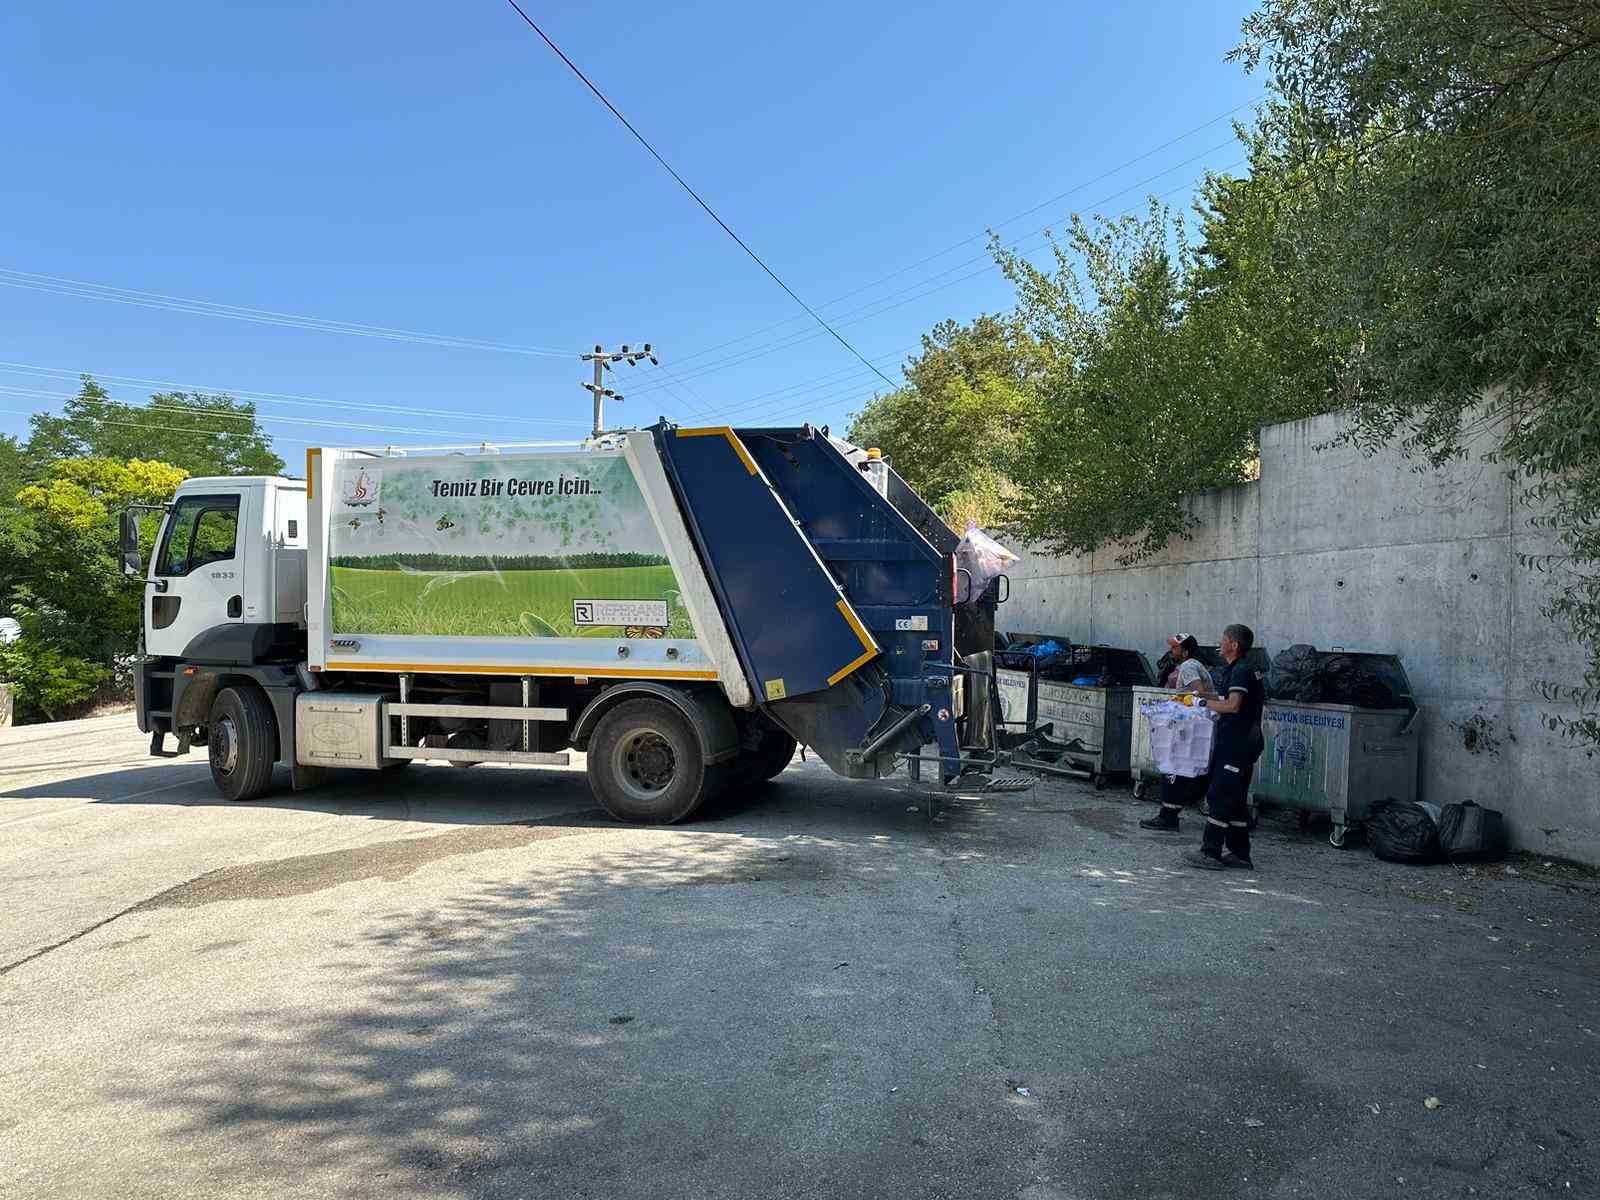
1336, 838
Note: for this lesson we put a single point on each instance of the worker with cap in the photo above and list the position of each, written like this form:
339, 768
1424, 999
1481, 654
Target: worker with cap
1189, 676
1239, 742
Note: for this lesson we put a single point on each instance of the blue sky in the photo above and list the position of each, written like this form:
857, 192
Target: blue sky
433, 167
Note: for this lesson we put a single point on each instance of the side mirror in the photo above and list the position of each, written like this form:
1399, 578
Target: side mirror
128, 542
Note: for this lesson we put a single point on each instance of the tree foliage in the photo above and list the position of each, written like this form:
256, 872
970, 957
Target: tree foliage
207, 434
58, 557
957, 427
45, 682
61, 494
1165, 360
1453, 148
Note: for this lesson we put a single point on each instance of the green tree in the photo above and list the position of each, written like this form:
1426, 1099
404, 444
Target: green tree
959, 423
1165, 360
17, 467
60, 575
204, 434
1454, 150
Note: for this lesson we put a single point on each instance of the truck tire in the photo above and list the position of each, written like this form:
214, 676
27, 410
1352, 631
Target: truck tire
645, 764
242, 742
774, 756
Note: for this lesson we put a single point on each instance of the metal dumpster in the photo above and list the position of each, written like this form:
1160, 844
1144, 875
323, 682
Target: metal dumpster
1337, 758
1015, 675
1085, 704
1141, 762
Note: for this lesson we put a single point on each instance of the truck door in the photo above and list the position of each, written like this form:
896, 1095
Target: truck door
197, 576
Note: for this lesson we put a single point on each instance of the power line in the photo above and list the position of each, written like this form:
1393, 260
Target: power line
84, 290
64, 374
882, 304
200, 414
1059, 196
59, 285
168, 428
683, 183
1015, 245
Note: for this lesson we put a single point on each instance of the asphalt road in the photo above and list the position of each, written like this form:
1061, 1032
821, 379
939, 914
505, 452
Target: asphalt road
470, 984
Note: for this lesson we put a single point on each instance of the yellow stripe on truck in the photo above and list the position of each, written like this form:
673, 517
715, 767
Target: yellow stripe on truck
733, 440
313, 459
870, 653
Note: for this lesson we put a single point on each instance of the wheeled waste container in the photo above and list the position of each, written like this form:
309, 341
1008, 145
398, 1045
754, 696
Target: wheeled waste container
1340, 759
1082, 700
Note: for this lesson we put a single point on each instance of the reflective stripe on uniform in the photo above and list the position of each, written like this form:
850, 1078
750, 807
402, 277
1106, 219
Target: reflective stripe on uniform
1217, 823
1229, 767
1239, 824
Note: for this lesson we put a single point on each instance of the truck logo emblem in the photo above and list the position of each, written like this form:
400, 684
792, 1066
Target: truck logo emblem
363, 489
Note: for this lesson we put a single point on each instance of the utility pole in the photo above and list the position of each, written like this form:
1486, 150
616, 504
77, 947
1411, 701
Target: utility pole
602, 360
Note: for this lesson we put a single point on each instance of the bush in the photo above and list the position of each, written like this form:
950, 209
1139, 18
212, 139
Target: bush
46, 683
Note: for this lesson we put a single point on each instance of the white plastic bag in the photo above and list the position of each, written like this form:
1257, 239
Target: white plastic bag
1181, 737
982, 558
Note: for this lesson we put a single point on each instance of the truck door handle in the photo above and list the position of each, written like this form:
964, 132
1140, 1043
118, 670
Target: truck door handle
236, 606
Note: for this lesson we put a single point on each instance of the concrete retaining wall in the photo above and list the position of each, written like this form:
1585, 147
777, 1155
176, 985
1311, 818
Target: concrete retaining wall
1338, 549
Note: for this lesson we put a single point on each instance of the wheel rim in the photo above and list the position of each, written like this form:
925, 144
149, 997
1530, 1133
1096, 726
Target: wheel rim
644, 764
223, 742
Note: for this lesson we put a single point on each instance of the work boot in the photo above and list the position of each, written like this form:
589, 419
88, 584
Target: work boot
1202, 860
1230, 859
1165, 820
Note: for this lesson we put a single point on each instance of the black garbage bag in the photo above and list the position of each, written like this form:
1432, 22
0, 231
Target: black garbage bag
1402, 831
1336, 679
1468, 833
1345, 680
1294, 675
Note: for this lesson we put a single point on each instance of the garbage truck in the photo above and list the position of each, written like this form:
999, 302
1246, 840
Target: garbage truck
684, 605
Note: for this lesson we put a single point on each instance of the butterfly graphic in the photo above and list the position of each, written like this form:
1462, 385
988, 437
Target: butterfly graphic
444, 523
382, 512
354, 522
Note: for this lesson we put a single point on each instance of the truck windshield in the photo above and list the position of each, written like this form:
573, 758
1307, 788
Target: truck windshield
203, 529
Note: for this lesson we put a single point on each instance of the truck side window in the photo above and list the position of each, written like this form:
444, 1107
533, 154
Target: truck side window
203, 529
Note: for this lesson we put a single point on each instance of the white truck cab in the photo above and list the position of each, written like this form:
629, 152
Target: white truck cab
230, 558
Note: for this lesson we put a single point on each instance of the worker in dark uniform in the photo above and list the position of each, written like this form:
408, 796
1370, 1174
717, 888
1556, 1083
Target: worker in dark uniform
1226, 840
1188, 675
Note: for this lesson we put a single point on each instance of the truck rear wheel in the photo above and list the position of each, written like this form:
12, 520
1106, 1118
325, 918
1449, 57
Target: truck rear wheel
242, 743
774, 756
645, 763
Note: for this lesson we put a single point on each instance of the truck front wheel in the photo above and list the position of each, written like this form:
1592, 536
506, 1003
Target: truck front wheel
242, 743
645, 763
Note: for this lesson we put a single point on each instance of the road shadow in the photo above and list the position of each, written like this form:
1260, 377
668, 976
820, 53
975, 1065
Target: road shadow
486, 794
676, 1017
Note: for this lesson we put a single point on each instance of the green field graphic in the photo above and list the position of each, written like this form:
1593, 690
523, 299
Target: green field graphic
493, 603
